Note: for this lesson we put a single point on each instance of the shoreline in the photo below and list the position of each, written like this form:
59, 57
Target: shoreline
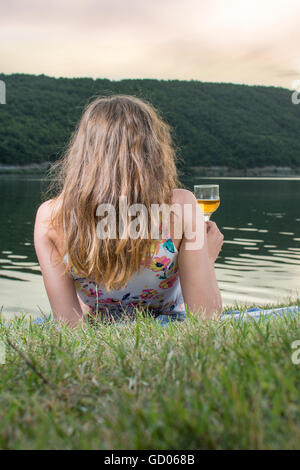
223, 171
198, 171
33, 168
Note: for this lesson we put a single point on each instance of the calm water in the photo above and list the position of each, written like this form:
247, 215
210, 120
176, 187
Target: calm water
259, 263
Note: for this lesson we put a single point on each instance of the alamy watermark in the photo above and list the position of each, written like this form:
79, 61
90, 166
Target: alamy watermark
160, 221
2, 92
2, 352
295, 95
296, 354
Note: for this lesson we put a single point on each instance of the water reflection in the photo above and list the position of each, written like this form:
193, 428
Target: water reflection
21, 284
259, 263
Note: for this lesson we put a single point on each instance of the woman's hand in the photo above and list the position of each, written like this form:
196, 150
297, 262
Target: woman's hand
214, 240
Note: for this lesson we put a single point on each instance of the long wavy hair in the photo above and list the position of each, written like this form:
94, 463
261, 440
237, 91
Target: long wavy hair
120, 147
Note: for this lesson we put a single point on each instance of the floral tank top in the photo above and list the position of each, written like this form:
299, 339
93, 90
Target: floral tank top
155, 290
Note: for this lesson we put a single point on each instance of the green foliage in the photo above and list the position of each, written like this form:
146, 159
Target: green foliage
217, 384
213, 123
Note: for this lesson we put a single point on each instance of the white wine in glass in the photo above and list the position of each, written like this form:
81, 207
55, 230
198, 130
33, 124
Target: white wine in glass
208, 198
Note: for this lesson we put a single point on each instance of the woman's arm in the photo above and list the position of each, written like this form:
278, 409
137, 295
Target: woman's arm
196, 266
59, 285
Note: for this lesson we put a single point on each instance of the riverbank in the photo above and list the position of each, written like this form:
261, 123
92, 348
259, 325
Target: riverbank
34, 168
224, 171
214, 171
192, 385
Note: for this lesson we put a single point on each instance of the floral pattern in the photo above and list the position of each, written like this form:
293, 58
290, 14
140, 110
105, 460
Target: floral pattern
159, 263
168, 282
156, 288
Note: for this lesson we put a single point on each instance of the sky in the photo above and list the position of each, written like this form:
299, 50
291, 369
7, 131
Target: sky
237, 41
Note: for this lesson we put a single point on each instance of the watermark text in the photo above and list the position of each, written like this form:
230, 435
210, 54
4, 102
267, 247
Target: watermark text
2, 92
296, 354
2, 352
133, 222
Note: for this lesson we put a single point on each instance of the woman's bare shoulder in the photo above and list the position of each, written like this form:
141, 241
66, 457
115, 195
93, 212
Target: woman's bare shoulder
43, 221
183, 196
44, 212
45, 209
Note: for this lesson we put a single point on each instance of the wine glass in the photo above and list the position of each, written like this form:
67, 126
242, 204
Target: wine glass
208, 198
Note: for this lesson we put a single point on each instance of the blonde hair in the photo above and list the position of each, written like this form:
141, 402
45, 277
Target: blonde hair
121, 146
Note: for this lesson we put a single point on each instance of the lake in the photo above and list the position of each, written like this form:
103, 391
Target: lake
259, 262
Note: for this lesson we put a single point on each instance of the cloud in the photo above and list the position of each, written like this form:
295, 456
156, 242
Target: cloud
249, 41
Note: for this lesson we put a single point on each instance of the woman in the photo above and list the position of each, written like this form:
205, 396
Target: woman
122, 147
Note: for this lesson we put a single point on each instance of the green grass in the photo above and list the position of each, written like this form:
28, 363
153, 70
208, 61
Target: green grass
193, 385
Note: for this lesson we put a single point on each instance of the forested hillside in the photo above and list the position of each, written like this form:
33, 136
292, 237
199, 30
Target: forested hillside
213, 123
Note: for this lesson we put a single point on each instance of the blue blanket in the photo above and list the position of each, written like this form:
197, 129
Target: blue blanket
250, 314
257, 312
